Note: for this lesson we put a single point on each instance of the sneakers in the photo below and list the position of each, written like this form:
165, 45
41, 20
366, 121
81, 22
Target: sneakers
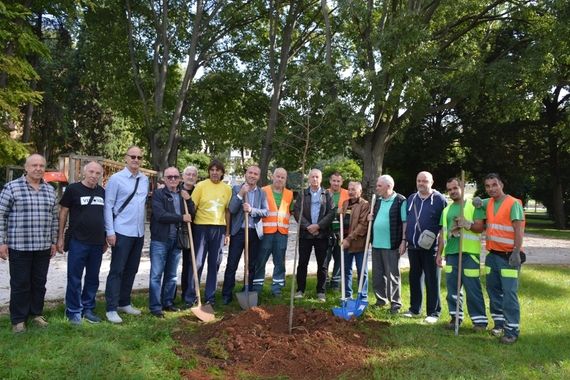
19, 328
431, 319
321, 297
129, 309
410, 314
113, 317
75, 319
508, 339
40, 321
497, 331
91, 317
299, 295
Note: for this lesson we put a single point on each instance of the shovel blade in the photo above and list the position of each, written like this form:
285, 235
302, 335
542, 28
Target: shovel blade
356, 307
342, 311
247, 299
204, 313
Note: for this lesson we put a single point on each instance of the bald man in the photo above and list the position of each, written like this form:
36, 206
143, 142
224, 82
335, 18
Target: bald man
28, 237
84, 203
424, 212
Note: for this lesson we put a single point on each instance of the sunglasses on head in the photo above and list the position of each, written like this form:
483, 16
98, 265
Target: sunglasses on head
135, 157
172, 177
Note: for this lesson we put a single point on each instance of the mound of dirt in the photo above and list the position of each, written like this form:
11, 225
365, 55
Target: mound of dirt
257, 341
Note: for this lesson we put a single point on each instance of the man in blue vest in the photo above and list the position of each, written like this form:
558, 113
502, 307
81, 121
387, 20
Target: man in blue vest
448, 247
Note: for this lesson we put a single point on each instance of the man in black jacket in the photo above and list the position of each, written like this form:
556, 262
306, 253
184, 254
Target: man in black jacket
167, 216
318, 213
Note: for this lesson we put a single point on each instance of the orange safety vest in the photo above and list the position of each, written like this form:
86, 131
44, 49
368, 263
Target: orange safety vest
500, 232
343, 196
277, 219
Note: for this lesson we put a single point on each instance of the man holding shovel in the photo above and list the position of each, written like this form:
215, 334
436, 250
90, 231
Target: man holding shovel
355, 212
275, 232
247, 198
388, 244
448, 247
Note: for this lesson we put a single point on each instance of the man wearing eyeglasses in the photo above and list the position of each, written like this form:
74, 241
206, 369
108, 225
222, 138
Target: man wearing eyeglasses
125, 197
168, 214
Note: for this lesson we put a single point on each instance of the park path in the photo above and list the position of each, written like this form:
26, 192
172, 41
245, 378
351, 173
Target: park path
540, 250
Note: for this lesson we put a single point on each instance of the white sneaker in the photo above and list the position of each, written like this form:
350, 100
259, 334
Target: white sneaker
321, 297
299, 295
430, 320
129, 309
113, 317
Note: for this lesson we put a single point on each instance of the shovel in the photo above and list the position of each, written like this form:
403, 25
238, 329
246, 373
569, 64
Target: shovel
359, 305
246, 299
202, 312
342, 311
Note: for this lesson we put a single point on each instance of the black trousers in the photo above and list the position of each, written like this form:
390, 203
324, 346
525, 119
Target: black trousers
305, 248
28, 276
423, 262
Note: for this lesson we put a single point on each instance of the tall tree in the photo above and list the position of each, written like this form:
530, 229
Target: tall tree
405, 52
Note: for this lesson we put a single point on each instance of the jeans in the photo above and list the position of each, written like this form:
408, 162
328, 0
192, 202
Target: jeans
386, 278
164, 259
305, 248
208, 243
272, 244
237, 245
28, 276
82, 257
125, 260
423, 261
502, 287
470, 281
358, 257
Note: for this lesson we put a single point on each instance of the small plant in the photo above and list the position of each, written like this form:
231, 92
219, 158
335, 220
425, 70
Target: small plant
216, 349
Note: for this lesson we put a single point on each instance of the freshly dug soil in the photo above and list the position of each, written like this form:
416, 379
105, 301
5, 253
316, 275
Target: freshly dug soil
257, 342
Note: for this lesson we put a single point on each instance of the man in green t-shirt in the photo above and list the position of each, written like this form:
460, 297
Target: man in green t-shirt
448, 248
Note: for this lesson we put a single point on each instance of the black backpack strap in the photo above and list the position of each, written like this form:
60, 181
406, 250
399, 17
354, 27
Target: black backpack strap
129, 198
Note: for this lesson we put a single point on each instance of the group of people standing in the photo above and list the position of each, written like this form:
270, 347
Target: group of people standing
213, 214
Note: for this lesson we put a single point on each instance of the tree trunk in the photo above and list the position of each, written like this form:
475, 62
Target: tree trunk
371, 148
278, 78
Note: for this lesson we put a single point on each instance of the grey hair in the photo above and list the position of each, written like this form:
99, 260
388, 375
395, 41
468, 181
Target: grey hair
387, 179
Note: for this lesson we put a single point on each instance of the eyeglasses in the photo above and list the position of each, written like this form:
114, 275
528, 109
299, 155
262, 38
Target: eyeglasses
135, 157
172, 177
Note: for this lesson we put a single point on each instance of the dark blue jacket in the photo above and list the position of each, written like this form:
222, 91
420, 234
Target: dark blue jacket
429, 212
326, 214
164, 214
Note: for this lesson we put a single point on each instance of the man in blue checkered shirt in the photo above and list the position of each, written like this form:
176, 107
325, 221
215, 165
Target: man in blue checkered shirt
28, 237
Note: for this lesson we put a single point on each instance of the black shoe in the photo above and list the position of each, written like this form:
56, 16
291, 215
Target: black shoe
394, 310
157, 314
379, 304
508, 339
213, 302
451, 324
171, 308
227, 301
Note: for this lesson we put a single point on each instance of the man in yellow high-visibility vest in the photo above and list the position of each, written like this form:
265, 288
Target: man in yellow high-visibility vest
448, 248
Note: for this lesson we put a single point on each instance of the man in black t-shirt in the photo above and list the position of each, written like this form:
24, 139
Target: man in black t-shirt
84, 203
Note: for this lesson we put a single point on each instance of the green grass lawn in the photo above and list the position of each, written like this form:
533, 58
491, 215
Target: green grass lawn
142, 347
539, 223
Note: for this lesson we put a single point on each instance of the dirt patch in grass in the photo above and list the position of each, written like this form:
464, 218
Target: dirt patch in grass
257, 342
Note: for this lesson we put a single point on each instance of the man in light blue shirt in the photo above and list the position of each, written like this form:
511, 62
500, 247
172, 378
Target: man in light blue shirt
125, 197
388, 244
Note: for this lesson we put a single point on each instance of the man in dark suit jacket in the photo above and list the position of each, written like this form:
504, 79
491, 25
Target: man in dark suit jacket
318, 213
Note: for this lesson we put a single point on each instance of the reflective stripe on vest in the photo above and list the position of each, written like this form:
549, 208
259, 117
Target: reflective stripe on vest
471, 240
277, 219
500, 232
